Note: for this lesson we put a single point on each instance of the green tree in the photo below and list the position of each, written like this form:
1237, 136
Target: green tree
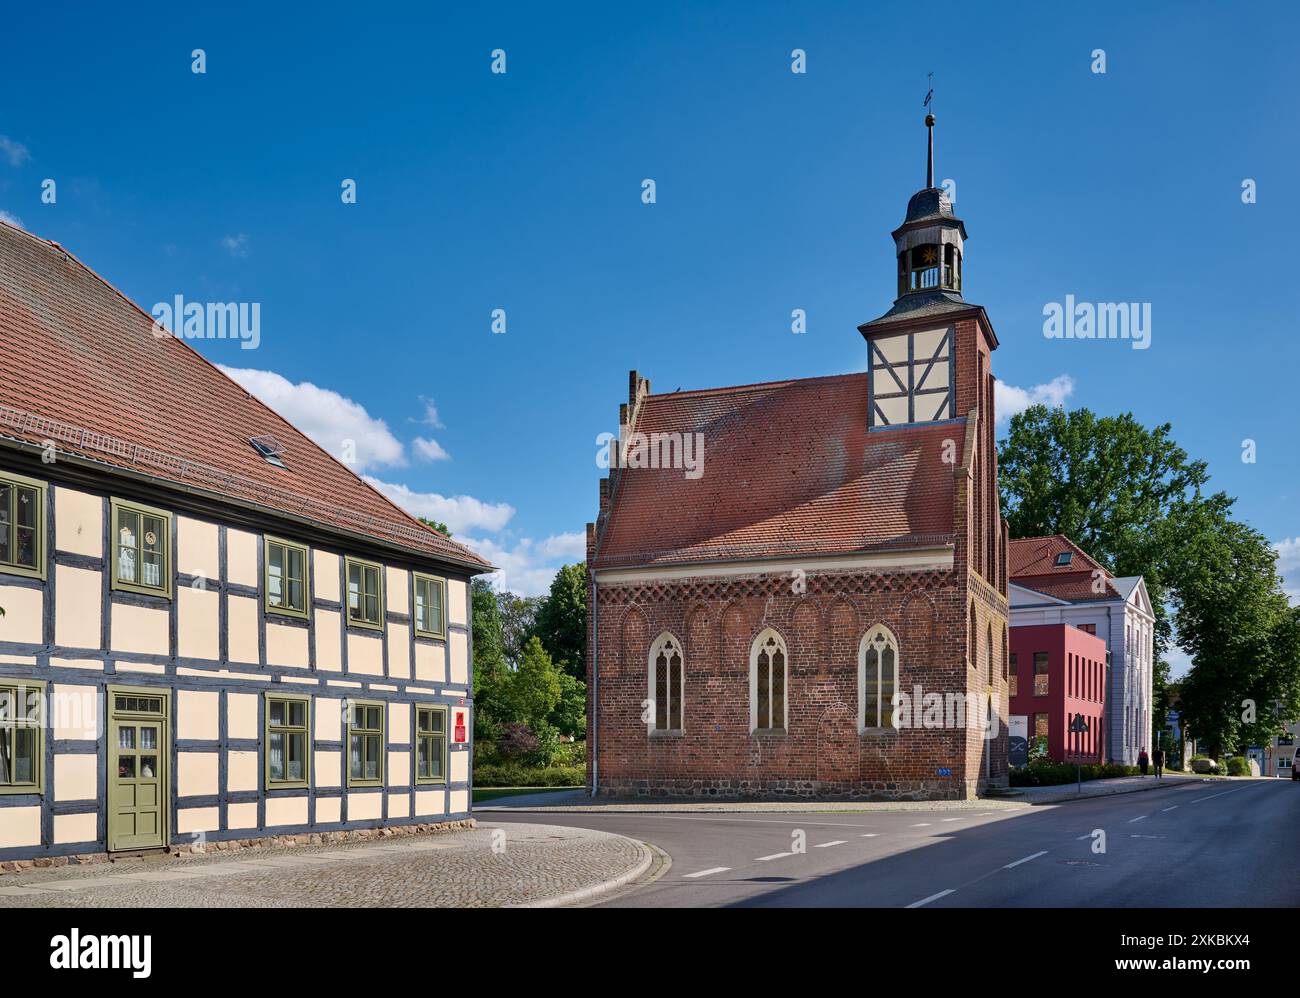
437, 525
491, 674
570, 715
534, 689
518, 619
1134, 500
562, 620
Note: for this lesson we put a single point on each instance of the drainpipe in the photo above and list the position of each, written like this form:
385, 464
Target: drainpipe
595, 685
1110, 671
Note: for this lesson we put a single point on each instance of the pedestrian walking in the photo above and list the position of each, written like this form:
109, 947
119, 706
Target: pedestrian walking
1158, 757
1143, 760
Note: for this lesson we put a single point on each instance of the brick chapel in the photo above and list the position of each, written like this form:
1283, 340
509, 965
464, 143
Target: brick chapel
760, 628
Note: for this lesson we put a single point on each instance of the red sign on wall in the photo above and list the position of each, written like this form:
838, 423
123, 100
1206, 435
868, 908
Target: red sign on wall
461, 734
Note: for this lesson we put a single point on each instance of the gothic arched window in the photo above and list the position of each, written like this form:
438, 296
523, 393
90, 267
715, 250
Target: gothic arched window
877, 678
767, 682
665, 684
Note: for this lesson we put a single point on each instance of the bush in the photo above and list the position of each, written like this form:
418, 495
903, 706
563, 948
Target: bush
513, 774
516, 741
547, 737
1045, 773
1238, 766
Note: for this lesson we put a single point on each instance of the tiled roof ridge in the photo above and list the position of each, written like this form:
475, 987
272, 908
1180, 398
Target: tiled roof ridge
410, 523
727, 389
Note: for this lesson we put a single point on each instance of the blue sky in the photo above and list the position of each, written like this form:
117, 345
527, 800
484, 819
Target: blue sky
775, 191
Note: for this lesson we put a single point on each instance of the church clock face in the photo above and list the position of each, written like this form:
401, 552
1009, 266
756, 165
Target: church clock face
911, 377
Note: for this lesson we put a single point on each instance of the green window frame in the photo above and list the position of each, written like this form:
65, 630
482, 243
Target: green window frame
142, 548
22, 738
285, 583
365, 593
430, 744
430, 605
22, 526
287, 739
367, 724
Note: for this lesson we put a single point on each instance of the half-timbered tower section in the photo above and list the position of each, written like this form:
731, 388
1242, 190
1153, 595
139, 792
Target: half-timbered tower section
212, 629
799, 588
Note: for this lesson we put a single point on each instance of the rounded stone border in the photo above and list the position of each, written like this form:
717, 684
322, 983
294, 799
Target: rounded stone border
647, 856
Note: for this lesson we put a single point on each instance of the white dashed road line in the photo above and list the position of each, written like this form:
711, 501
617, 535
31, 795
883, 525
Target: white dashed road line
932, 897
870, 835
1041, 852
827, 845
1140, 817
1163, 809
706, 873
775, 855
923, 824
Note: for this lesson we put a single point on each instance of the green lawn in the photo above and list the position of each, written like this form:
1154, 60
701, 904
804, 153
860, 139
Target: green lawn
492, 793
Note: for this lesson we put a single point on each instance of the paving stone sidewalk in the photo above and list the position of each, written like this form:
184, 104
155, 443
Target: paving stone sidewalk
488, 866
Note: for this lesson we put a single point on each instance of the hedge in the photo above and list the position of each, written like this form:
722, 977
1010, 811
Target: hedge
1050, 774
512, 774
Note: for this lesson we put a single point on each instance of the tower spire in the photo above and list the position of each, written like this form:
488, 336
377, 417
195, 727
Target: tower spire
929, 164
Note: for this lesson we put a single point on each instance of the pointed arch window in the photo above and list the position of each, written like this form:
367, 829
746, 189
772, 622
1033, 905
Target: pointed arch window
665, 680
767, 683
972, 651
877, 678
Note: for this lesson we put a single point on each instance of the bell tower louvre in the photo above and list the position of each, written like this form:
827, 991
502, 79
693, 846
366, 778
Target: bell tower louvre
839, 548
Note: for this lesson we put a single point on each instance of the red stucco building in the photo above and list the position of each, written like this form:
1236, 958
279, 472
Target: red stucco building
773, 564
1058, 673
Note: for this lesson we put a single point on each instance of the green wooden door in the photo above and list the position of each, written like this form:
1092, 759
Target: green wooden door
137, 764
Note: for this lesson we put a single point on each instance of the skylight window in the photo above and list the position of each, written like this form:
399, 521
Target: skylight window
269, 448
1064, 558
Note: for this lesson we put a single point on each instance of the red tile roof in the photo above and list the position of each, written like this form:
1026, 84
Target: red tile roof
80, 364
789, 469
1031, 564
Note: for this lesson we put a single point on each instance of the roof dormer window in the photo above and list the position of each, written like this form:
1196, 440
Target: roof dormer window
1064, 558
269, 448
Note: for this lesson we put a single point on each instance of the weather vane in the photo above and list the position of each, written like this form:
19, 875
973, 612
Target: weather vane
929, 94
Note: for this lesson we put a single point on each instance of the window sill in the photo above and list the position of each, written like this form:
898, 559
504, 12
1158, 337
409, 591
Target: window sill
775, 733
667, 733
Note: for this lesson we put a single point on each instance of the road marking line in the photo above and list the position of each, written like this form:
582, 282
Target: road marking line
1087, 835
1212, 796
870, 835
705, 873
1163, 809
827, 845
1041, 852
1140, 817
932, 897
775, 855
952, 819
923, 824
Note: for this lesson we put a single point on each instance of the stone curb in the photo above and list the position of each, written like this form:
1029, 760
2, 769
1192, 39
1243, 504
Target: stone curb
1059, 797
595, 890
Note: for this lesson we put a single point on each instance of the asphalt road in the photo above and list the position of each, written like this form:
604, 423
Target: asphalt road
1195, 844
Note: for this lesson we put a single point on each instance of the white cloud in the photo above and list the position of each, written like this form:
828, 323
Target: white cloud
1288, 566
459, 513
14, 152
1009, 400
430, 417
326, 416
527, 567
11, 219
429, 450
235, 245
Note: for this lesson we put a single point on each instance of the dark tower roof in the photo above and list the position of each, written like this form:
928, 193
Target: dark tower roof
929, 220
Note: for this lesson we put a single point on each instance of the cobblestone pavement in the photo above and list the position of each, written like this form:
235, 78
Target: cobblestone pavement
489, 866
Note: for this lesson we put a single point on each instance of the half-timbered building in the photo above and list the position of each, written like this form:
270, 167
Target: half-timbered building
212, 629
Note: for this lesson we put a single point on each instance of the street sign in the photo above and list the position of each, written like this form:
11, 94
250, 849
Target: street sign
945, 771
1079, 726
